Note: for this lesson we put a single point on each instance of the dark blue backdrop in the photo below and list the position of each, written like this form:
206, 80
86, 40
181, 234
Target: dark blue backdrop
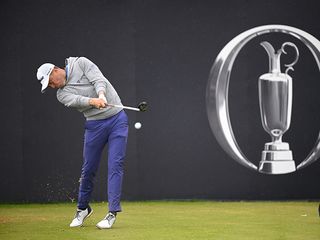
162, 52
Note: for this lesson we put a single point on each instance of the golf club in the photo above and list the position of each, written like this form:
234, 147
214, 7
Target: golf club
142, 107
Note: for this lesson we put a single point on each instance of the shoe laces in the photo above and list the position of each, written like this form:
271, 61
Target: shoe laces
77, 215
109, 216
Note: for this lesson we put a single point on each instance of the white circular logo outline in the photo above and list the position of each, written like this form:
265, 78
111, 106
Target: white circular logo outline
218, 86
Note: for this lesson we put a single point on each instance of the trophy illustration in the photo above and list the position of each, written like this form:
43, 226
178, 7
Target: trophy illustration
275, 93
275, 99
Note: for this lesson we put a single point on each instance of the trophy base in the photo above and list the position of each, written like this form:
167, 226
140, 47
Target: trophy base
277, 159
277, 167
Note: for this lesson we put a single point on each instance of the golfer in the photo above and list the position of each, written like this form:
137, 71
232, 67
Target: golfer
82, 86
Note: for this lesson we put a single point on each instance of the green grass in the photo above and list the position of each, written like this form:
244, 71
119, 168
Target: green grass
166, 220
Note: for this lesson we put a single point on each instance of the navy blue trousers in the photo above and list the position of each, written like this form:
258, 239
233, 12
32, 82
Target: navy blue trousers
98, 133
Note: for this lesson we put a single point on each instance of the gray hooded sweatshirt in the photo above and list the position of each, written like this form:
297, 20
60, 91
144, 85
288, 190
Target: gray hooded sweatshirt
85, 81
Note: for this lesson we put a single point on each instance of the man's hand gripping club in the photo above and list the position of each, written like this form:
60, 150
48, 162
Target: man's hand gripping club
100, 102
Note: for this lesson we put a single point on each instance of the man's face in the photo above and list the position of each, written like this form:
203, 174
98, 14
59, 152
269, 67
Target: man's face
57, 78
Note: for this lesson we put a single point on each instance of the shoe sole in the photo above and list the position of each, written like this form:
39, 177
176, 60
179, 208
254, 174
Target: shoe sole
105, 227
84, 219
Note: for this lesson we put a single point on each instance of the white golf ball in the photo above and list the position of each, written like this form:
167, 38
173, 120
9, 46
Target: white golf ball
137, 125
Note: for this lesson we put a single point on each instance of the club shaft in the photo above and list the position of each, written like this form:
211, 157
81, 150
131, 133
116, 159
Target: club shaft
125, 107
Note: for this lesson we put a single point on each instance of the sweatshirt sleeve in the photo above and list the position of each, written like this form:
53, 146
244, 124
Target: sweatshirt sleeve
94, 74
72, 100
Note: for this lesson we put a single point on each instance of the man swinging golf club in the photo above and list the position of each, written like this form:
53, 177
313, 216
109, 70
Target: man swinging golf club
81, 85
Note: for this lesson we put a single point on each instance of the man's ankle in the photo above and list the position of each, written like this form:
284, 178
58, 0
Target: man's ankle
113, 212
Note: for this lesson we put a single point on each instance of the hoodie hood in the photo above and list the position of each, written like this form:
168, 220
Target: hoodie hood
69, 62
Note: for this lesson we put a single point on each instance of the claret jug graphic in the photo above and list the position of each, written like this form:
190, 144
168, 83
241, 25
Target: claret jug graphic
275, 99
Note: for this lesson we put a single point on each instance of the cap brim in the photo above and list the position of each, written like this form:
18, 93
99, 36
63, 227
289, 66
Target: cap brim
44, 83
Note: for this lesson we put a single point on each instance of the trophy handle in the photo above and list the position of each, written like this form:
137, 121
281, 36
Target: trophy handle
290, 66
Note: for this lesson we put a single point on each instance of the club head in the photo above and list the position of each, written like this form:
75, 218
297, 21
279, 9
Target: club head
143, 106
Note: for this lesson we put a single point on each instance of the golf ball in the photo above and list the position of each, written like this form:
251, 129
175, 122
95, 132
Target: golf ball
137, 125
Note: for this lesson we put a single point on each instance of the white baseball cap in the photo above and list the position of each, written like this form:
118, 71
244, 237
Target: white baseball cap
43, 74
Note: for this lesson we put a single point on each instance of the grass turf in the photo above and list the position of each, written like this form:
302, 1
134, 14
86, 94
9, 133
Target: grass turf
166, 220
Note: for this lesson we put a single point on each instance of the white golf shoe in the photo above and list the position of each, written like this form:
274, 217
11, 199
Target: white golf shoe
80, 216
107, 222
